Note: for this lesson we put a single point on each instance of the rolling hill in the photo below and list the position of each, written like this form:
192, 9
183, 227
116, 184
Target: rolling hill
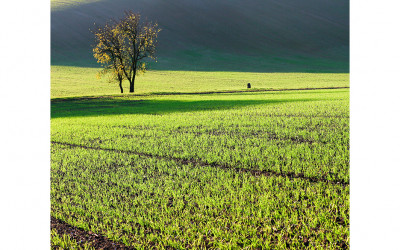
224, 35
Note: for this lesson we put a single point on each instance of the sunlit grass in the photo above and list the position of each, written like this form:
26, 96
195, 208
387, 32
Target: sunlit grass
78, 81
176, 170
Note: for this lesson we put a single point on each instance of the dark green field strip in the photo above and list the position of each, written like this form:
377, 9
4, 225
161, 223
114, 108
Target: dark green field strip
198, 162
84, 98
84, 238
148, 202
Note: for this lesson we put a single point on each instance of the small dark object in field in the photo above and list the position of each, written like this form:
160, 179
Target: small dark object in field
248, 85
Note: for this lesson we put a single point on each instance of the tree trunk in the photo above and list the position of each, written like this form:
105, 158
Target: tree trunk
120, 87
132, 83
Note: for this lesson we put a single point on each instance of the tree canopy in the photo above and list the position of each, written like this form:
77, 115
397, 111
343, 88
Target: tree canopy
121, 47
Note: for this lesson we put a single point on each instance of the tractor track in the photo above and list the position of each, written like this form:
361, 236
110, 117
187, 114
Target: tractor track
290, 175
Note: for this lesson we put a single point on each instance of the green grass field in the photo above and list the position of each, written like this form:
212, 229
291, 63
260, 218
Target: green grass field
77, 81
213, 170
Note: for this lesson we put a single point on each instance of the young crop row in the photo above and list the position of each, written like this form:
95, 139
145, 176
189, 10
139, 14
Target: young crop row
306, 134
148, 202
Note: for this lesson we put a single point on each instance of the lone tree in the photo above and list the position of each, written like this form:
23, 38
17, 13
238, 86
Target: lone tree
121, 47
108, 52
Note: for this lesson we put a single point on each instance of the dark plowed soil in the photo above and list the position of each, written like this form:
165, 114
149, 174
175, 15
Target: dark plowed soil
254, 172
81, 236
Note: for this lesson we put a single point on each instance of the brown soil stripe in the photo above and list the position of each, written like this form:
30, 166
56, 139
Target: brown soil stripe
254, 172
305, 116
81, 236
271, 136
83, 98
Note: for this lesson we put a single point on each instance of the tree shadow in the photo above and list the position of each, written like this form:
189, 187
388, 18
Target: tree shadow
112, 106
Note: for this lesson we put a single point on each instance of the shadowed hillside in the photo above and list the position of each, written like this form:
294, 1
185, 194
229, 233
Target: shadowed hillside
253, 35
